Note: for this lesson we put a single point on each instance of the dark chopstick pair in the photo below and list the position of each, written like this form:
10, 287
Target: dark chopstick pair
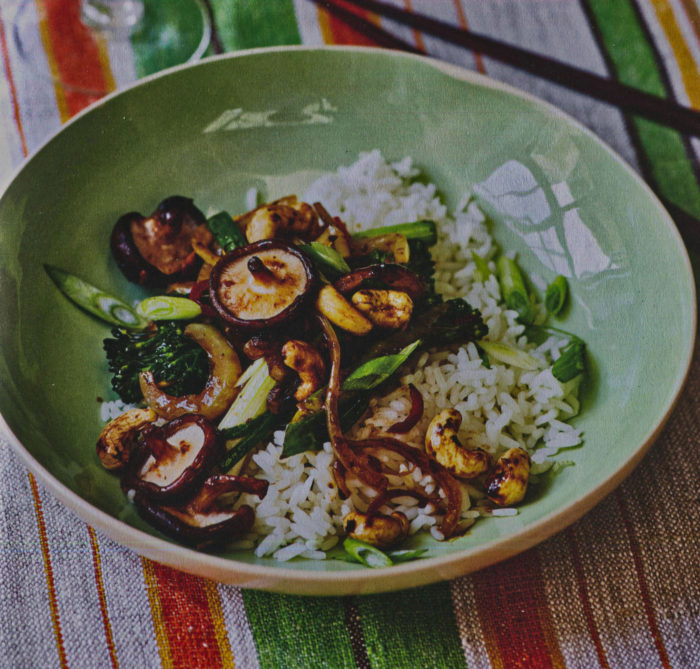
626, 98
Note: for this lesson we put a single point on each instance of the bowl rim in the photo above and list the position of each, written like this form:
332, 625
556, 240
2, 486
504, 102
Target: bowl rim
412, 574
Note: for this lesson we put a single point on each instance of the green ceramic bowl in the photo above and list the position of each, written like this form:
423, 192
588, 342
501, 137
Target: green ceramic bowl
275, 119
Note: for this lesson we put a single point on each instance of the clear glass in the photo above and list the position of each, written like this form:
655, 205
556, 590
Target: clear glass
62, 39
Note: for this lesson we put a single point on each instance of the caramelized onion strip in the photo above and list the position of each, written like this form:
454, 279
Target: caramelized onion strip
415, 413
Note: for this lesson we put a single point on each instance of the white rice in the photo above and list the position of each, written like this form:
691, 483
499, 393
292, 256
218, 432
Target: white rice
502, 407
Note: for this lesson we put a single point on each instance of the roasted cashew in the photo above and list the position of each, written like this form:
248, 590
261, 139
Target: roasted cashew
442, 444
281, 219
340, 312
394, 243
118, 438
385, 308
306, 361
378, 530
507, 484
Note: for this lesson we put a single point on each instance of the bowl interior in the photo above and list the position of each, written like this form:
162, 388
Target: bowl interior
275, 120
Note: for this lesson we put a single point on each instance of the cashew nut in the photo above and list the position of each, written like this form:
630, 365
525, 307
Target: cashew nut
507, 484
441, 443
340, 312
306, 361
281, 218
394, 243
385, 308
118, 438
378, 530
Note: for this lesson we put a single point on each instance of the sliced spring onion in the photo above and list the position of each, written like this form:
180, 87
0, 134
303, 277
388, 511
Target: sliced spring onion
424, 231
571, 363
104, 306
256, 384
555, 296
328, 260
374, 372
368, 555
513, 289
168, 308
227, 232
482, 271
509, 355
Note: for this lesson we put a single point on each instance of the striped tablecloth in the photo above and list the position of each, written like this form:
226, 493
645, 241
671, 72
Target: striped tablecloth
620, 588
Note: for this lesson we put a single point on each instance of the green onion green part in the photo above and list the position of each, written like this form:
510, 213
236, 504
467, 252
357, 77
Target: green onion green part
95, 301
482, 271
555, 296
423, 231
368, 555
328, 261
168, 308
226, 231
376, 371
513, 289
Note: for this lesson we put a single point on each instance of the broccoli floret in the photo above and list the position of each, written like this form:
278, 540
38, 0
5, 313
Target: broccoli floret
179, 365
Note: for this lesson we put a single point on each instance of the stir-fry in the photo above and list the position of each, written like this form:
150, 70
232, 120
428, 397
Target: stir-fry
280, 324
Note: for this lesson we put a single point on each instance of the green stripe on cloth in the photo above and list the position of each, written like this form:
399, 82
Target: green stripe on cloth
291, 631
411, 628
246, 24
627, 45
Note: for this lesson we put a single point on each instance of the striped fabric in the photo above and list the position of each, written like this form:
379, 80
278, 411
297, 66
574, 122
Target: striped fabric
620, 588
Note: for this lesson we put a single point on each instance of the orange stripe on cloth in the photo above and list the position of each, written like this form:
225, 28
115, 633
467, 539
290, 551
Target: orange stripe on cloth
184, 619
585, 599
11, 83
78, 62
684, 58
48, 571
514, 617
335, 31
99, 582
462, 20
417, 35
641, 578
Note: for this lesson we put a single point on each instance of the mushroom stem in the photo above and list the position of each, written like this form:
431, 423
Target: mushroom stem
260, 271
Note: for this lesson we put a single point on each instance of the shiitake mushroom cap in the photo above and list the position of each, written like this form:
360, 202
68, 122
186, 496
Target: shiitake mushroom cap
175, 219
190, 477
222, 289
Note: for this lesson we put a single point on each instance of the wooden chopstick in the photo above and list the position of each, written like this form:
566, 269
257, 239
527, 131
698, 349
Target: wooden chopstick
613, 92
630, 99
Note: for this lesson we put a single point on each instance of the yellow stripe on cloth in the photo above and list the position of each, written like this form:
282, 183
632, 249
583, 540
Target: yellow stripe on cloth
99, 582
681, 52
217, 616
156, 613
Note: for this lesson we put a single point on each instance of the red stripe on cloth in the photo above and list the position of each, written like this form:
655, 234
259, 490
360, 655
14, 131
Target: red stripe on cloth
11, 83
585, 599
48, 570
74, 53
513, 614
641, 579
99, 583
335, 31
187, 619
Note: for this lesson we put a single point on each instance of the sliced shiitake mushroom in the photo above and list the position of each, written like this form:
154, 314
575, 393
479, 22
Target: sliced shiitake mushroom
174, 459
202, 521
262, 285
157, 250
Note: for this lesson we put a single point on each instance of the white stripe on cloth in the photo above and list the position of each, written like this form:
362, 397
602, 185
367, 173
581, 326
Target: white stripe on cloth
238, 629
122, 62
565, 605
307, 21
77, 598
26, 631
467, 620
128, 606
527, 24
35, 90
613, 587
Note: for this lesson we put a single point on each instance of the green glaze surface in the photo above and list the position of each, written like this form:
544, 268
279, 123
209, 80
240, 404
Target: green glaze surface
275, 119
